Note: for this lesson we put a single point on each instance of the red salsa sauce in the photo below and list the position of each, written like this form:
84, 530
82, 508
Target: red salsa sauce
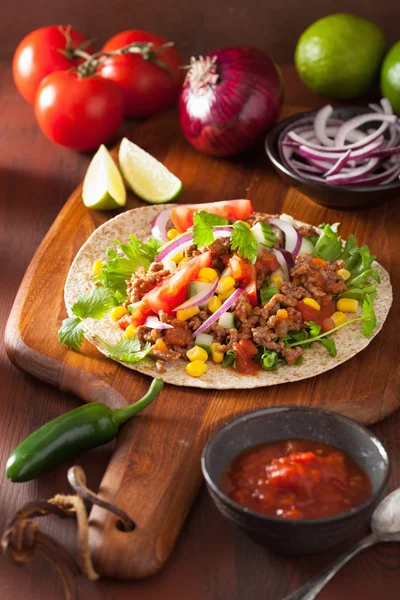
296, 479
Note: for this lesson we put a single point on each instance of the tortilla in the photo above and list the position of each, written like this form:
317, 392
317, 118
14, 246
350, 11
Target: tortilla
349, 340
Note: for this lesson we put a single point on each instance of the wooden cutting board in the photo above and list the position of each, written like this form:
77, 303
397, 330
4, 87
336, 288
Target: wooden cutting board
154, 473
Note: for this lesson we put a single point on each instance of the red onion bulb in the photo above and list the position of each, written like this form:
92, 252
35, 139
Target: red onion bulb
229, 99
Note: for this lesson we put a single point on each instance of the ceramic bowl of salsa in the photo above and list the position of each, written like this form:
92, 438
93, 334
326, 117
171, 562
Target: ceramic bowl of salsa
296, 479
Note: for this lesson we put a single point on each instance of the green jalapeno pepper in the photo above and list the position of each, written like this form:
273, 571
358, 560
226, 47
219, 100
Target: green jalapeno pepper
70, 434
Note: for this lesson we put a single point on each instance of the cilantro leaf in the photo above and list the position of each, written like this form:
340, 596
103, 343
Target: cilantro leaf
71, 333
314, 328
127, 350
329, 344
329, 244
244, 242
368, 316
94, 304
203, 223
229, 359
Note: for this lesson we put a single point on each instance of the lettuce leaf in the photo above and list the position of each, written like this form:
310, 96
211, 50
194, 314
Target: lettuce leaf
328, 245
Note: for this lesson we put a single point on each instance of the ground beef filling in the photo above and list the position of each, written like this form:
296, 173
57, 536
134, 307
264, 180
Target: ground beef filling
263, 325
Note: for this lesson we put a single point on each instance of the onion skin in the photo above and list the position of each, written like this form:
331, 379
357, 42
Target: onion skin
235, 105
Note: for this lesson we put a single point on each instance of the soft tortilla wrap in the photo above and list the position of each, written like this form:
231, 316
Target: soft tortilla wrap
349, 340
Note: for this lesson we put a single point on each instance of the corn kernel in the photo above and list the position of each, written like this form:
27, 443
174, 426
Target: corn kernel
347, 305
277, 279
97, 267
177, 259
188, 313
216, 355
130, 331
208, 273
197, 368
214, 304
118, 312
338, 318
225, 284
172, 233
282, 314
197, 353
183, 261
160, 345
344, 274
226, 295
202, 280
311, 302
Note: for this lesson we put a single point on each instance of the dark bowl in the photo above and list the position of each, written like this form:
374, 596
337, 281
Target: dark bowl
341, 197
295, 536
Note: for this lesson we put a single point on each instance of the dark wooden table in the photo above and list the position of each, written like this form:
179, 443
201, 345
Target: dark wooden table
212, 561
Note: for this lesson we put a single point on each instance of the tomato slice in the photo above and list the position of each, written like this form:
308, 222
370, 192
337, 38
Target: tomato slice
171, 291
243, 271
182, 216
312, 314
139, 314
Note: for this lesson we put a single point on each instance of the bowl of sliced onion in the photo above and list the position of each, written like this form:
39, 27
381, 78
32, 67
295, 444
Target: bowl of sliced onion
345, 157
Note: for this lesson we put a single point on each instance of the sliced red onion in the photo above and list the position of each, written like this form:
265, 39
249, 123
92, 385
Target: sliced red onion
283, 259
155, 323
159, 228
218, 313
338, 166
388, 176
320, 123
364, 152
356, 122
387, 107
356, 175
200, 297
179, 244
292, 236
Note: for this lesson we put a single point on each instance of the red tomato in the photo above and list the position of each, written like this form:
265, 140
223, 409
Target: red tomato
80, 113
245, 350
182, 216
171, 291
243, 271
140, 312
146, 87
39, 54
318, 316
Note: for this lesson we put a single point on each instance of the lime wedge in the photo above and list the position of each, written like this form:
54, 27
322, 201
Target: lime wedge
147, 177
103, 187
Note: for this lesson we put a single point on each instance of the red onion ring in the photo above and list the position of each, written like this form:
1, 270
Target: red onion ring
218, 313
292, 236
200, 297
285, 261
159, 226
155, 323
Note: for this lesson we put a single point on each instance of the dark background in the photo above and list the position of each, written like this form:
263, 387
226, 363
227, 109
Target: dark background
196, 26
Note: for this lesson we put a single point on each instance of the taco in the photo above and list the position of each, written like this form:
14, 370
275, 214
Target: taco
223, 297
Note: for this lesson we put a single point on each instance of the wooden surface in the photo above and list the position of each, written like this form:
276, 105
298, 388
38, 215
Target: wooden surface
196, 27
211, 560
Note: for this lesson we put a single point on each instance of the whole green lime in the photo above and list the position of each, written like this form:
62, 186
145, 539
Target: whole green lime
339, 55
390, 77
